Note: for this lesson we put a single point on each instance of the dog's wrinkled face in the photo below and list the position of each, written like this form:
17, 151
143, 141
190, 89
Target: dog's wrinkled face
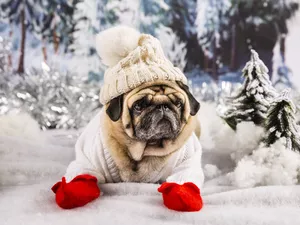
154, 113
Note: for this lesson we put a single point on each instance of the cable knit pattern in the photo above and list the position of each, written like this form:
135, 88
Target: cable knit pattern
145, 63
94, 159
113, 170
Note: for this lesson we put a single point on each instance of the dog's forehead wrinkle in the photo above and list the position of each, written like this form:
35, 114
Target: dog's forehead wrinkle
163, 89
157, 88
160, 99
139, 95
149, 97
169, 90
155, 93
172, 97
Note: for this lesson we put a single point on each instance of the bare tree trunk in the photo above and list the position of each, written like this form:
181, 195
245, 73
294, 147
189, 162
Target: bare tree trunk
23, 41
55, 42
44, 50
206, 62
214, 63
233, 48
282, 46
9, 54
55, 38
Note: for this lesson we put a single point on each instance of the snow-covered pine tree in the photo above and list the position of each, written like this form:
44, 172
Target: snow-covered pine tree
281, 122
151, 15
181, 19
259, 21
124, 12
64, 23
252, 100
212, 28
174, 49
21, 12
86, 29
56, 24
144, 15
96, 18
5, 50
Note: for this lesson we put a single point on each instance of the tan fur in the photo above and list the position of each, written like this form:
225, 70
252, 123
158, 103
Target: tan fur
124, 147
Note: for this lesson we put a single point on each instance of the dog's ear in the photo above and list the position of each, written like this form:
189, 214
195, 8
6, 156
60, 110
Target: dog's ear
195, 105
114, 109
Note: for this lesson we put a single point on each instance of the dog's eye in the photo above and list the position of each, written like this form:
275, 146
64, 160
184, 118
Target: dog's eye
140, 105
137, 107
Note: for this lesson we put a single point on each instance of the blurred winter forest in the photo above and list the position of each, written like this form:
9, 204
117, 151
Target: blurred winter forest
205, 38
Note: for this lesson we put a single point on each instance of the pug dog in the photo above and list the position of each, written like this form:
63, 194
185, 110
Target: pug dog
147, 125
147, 131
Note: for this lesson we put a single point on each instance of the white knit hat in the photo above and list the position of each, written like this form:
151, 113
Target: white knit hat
132, 59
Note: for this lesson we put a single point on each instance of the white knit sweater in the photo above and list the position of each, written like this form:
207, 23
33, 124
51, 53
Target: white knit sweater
92, 158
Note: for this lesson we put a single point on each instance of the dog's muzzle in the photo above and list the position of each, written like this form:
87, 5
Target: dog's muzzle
160, 123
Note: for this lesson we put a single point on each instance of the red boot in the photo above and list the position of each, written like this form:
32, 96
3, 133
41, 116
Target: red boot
185, 197
78, 192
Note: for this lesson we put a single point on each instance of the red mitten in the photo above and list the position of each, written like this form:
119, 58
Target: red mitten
78, 192
185, 197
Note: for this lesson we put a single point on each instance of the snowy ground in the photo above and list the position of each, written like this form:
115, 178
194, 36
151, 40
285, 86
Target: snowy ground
31, 164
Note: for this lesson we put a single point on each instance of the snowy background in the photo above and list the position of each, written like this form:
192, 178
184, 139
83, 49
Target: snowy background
204, 38
52, 42
50, 76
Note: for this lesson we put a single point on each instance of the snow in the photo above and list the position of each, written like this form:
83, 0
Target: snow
211, 171
29, 167
210, 20
173, 48
127, 11
285, 96
248, 162
256, 86
274, 165
217, 136
255, 20
282, 74
19, 125
293, 49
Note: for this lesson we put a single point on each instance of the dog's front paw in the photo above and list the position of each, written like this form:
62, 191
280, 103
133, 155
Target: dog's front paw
185, 197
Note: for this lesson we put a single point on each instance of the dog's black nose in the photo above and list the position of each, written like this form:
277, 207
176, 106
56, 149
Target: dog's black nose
163, 107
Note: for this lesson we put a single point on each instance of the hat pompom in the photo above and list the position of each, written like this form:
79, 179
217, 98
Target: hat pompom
116, 43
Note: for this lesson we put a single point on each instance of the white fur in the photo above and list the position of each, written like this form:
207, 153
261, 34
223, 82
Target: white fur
115, 43
20, 125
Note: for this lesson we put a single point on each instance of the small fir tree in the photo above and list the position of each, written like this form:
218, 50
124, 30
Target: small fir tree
281, 122
252, 101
